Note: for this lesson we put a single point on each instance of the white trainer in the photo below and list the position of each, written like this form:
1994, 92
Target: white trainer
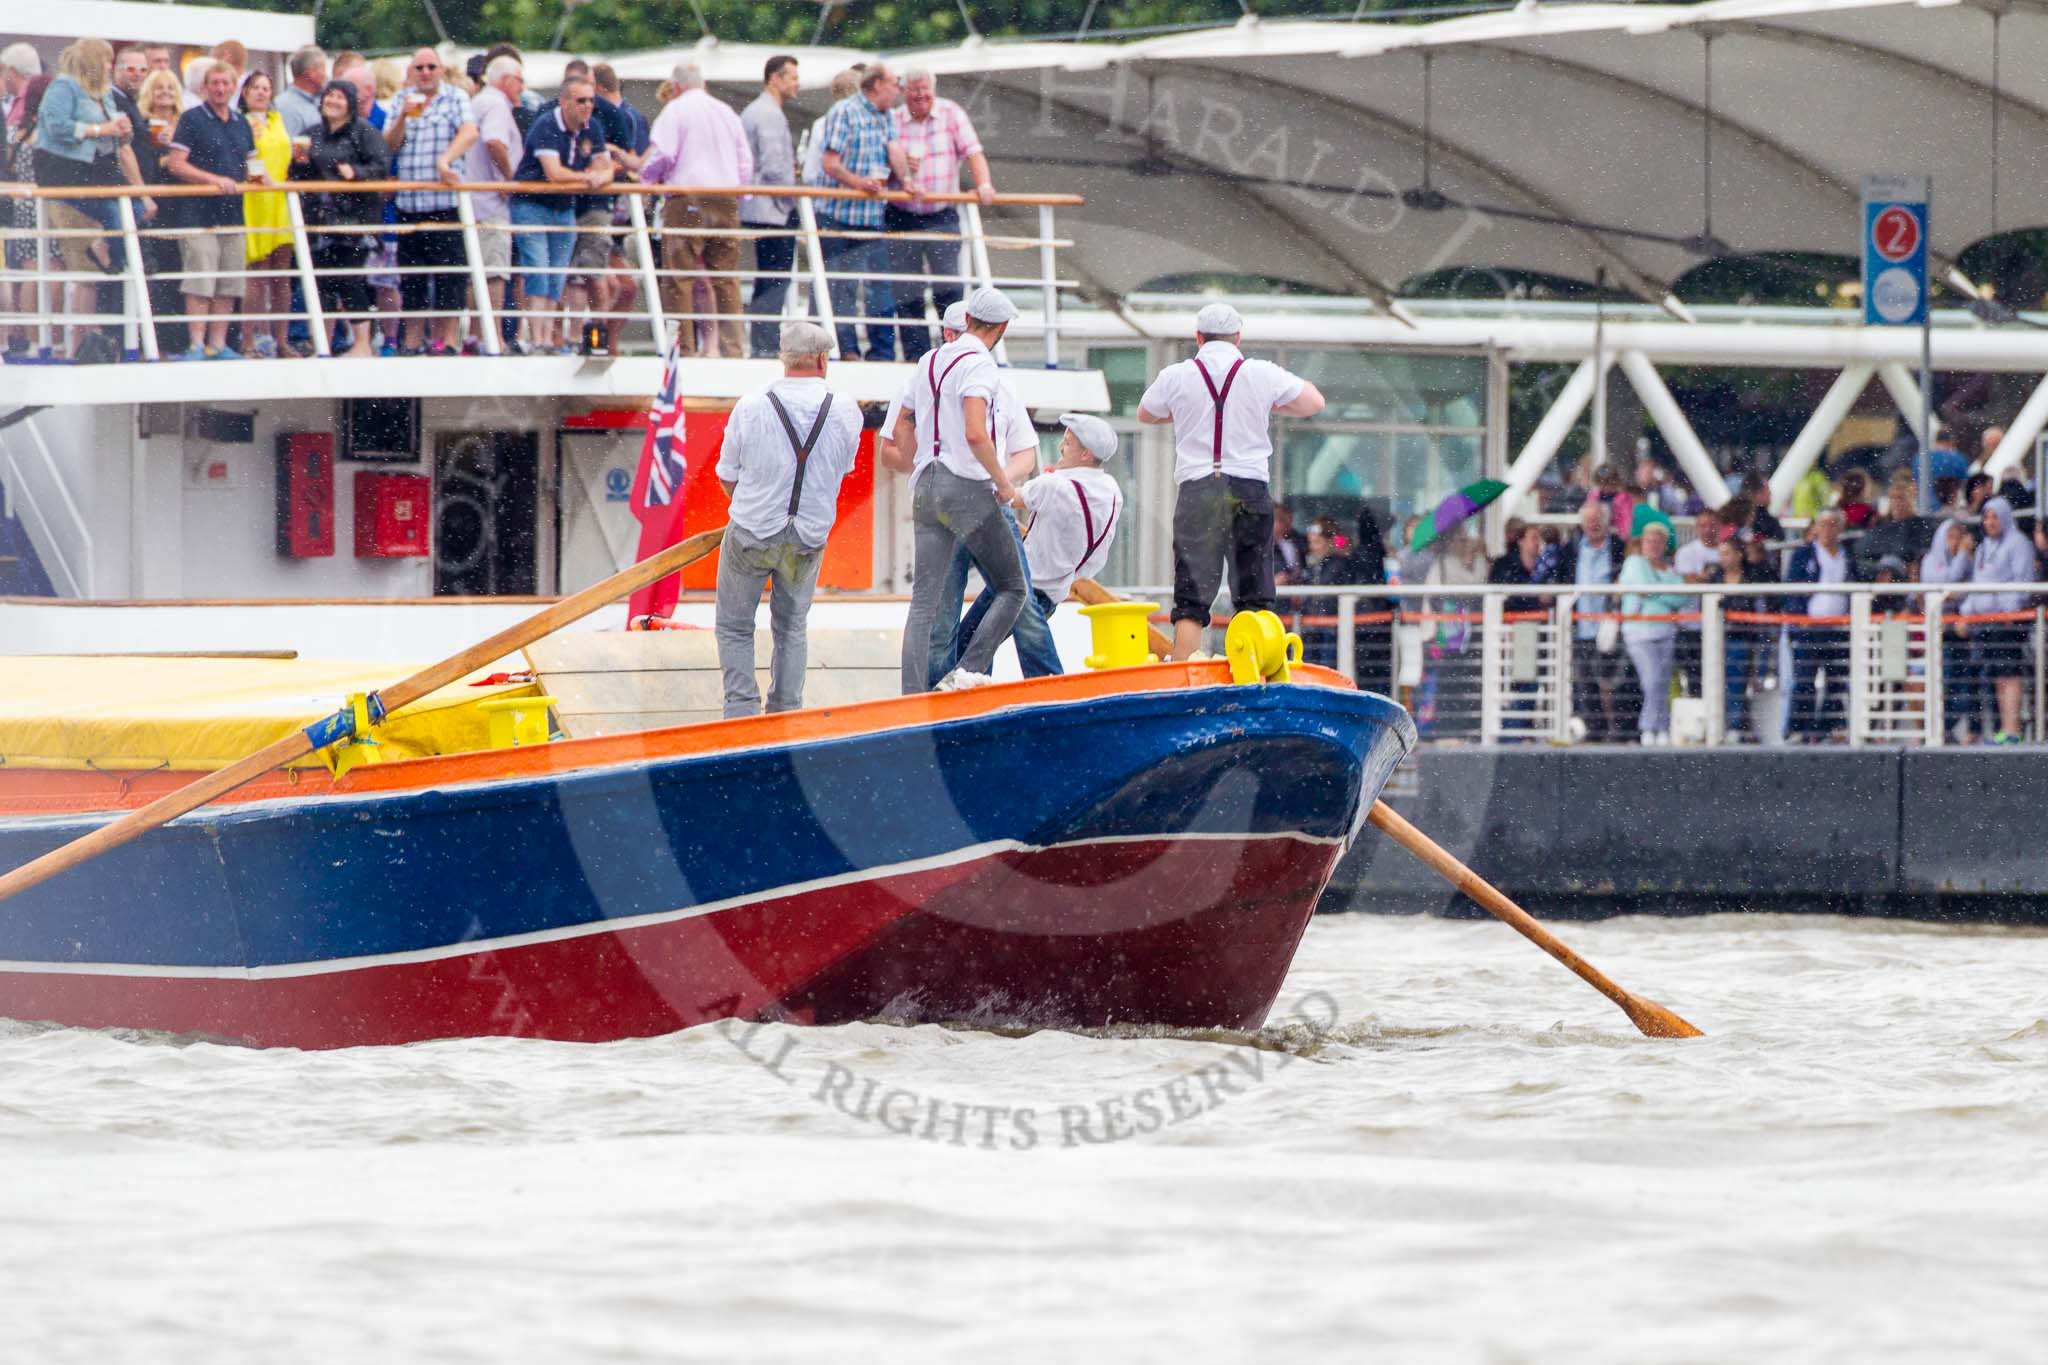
960, 679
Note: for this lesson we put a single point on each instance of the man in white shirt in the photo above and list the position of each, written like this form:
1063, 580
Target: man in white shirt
495, 157
1697, 561
1073, 509
1015, 437
956, 499
787, 449
1221, 405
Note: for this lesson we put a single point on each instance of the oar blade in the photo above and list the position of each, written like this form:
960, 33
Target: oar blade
1657, 1022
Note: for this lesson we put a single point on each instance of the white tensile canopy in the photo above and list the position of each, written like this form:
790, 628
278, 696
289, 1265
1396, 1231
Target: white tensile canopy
1566, 139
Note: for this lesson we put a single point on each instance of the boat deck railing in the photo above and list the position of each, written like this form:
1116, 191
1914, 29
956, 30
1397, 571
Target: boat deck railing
139, 294
1906, 664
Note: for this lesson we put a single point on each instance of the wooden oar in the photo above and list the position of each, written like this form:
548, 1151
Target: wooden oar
340, 727
1647, 1015
1091, 593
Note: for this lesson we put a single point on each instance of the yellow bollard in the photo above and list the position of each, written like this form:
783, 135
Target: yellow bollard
1260, 648
517, 721
1120, 640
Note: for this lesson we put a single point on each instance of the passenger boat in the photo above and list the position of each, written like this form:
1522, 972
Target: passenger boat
1139, 846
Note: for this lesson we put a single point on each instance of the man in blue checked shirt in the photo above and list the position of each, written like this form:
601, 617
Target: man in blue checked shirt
429, 128
860, 151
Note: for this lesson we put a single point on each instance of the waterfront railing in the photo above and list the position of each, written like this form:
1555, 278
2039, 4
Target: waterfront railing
1904, 665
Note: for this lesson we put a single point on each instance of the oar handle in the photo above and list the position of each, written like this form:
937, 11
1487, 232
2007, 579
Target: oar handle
1091, 593
1650, 1017
333, 729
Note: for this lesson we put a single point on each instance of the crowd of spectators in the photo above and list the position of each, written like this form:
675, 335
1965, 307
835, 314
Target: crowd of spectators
393, 269
1636, 640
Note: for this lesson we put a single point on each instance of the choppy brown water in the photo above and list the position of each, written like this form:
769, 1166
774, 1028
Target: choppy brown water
1455, 1153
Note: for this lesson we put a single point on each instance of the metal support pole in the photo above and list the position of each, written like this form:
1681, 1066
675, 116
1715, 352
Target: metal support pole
1927, 412
1713, 679
1347, 636
2020, 435
1812, 439
977, 240
1561, 608
1491, 641
1685, 443
1598, 444
2040, 671
1860, 680
814, 252
1548, 436
43, 309
1935, 703
650, 282
302, 254
479, 286
1049, 275
138, 280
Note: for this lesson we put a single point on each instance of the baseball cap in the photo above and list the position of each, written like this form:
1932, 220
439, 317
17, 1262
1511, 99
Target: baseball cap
991, 306
1219, 320
1095, 435
954, 319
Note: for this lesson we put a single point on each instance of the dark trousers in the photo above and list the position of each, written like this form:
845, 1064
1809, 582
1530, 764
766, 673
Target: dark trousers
1032, 634
1686, 661
1960, 685
1216, 519
1597, 690
347, 293
939, 260
1814, 649
431, 247
773, 257
1738, 651
849, 260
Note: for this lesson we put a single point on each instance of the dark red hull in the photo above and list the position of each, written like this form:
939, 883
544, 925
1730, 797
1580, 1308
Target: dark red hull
1085, 935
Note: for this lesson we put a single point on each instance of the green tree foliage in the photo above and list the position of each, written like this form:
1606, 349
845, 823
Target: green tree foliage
626, 25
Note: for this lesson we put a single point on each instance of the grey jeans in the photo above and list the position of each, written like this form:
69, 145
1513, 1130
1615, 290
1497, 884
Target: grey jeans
744, 564
948, 510
1653, 660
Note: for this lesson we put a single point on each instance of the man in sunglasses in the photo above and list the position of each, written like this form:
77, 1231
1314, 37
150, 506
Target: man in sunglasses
428, 129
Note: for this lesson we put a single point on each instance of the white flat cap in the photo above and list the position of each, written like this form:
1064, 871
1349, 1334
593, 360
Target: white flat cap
1095, 435
991, 306
803, 337
1219, 320
954, 319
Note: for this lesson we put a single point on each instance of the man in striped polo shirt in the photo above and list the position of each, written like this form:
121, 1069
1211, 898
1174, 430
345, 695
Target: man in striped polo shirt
1221, 406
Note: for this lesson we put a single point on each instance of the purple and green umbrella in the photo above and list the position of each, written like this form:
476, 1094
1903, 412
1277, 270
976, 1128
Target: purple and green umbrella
1455, 509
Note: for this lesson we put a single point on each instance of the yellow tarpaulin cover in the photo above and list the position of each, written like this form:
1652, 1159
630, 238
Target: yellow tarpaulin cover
202, 714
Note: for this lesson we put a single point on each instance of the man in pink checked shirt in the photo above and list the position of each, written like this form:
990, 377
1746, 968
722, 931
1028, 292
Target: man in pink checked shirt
698, 141
936, 137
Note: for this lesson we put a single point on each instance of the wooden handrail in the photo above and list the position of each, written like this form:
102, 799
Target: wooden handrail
20, 190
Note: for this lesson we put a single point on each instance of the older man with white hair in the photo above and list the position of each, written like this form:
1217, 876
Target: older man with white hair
698, 142
937, 139
1220, 405
500, 147
19, 64
787, 449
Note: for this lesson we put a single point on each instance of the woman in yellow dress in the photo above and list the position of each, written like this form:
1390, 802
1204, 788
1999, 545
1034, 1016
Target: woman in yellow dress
269, 222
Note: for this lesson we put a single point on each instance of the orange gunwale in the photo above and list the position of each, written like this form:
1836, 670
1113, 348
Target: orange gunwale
61, 791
